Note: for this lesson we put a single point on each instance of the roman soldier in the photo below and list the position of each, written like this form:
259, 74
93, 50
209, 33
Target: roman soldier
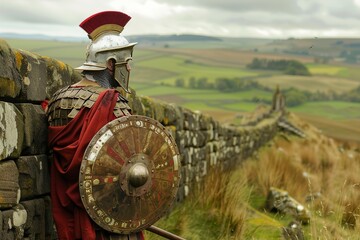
76, 113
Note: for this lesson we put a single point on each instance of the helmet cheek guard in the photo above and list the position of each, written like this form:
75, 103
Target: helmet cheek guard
104, 30
122, 75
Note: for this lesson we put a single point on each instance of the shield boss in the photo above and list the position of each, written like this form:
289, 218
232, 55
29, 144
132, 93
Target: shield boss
129, 174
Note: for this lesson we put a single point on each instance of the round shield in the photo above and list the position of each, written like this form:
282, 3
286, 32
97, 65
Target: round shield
129, 174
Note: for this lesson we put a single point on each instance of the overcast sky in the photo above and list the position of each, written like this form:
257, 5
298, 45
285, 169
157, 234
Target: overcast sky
230, 18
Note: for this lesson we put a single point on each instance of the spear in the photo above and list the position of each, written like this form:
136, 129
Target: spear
163, 233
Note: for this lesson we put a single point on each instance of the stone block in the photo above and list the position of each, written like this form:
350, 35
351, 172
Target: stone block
11, 131
9, 184
206, 122
170, 115
1, 225
180, 195
10, 78
203, 168
50, 229
198, 139
179, 139
159, 111
278, 200
34, 178
148, 104
59, 75
13, 223
35, 134
34, 227
137, 108
179, 117
33, 71
191, 120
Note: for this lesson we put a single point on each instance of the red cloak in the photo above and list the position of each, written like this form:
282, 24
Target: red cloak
69, 143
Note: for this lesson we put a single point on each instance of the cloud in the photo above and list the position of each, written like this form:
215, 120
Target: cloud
241, 5
233, 18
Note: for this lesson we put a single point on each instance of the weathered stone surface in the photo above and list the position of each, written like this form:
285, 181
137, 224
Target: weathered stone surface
34, 178
179, 117
205, 122
170, 116
180, 196
34, 74
203, 168
136, 105
9, 184
59, 75
279, 201
35, 223
14, 223
1, 225
159, 111
198, 139
35, 139
191, 120
204, 143
50, 229
148, 104
11, 131
10, 78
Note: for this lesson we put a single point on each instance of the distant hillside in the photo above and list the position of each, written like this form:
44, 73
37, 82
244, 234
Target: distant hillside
135, 38
8, 35
324, 49
173, 37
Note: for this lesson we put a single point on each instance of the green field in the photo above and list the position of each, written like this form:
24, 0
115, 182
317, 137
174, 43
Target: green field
155, 69
310, 83
331, 109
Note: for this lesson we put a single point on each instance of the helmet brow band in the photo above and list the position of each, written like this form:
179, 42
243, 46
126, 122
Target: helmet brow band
105, 28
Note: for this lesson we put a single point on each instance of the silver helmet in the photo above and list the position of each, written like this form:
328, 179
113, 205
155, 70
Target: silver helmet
104, 30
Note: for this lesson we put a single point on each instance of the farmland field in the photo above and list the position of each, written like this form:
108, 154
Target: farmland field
310, 83
155, 69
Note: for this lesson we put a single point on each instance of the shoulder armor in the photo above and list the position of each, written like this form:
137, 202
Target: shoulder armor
67, 102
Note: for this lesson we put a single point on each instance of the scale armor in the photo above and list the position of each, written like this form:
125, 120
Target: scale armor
67, 102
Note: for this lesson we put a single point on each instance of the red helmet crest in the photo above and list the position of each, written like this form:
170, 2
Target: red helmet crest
103, 22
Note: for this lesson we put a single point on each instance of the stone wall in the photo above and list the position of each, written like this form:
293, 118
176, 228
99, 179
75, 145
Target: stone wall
27, 79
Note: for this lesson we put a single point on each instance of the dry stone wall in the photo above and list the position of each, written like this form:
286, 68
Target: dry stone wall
26, 79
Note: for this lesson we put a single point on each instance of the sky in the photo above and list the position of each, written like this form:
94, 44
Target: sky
223, 18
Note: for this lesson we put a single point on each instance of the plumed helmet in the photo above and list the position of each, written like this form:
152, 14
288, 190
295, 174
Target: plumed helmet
104, 30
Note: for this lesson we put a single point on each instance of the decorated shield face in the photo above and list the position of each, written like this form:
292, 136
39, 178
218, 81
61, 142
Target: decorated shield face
129, 174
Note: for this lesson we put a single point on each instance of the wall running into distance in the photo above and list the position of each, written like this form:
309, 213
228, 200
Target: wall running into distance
26, 79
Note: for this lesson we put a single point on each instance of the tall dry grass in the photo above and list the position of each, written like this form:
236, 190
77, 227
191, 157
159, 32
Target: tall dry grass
318, 169
281, 170
226, 194
318, 172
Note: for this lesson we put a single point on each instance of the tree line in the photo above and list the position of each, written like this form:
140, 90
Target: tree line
222, 84
290, 67
294, 97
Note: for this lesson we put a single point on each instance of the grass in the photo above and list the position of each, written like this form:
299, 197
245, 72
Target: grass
323, 69
213, 211
156, 67
310, 83
331, 109
231, 205
338, 129
236, 210
179, 65
349, 73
